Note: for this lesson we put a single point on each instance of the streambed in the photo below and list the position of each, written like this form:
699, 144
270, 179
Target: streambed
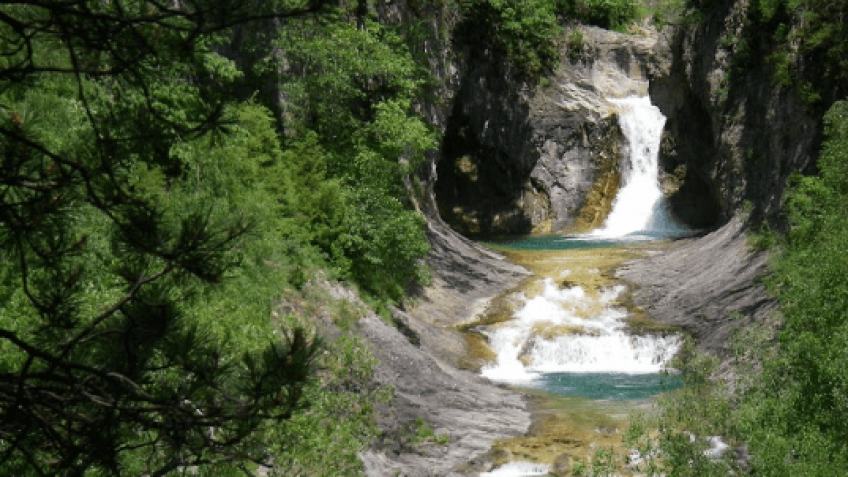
569, 338
570, 335
569, 329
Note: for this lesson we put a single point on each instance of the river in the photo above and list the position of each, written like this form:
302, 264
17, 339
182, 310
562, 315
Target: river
570, 329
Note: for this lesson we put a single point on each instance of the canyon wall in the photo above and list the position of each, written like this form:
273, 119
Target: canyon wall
532, 159
738, 135
520, 158
736, 131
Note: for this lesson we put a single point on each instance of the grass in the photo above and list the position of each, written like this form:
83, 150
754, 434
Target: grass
423, 433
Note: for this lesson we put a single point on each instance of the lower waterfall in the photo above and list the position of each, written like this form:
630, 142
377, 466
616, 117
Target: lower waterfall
569, 329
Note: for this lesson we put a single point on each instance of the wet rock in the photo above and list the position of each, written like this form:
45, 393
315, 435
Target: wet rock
518, 158
739, 139
562, 465
458, 403
708, 286
606, 430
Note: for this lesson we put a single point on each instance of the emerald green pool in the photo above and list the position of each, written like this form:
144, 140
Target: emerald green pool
553, 242
616, 386
621, 382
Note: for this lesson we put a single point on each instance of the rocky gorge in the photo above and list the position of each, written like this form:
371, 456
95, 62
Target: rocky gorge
499, 238
521, 158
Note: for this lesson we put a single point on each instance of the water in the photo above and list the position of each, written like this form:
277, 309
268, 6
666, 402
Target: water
571, 342
558, 242
619, 386
518, 469
639, 210
566, 330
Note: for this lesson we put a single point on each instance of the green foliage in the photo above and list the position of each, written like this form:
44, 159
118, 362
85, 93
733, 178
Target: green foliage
575, 43
789, 403
128, 223
423, 433
325, 440
580, 468
609, 14
603, 464
807, 32
525, 32
689, 416
666, 12
149, 219
352, 95
794, 412
764, 238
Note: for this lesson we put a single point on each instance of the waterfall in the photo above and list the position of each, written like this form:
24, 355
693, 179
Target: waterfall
569, 331
519, 469
639, 209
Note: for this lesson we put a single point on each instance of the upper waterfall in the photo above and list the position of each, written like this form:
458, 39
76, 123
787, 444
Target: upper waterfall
639, 209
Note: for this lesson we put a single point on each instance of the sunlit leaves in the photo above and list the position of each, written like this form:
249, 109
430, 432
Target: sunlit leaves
796, 412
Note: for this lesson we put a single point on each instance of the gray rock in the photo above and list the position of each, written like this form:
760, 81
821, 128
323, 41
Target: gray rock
708, 286
562, 465
518, 158
471, 410
739, 132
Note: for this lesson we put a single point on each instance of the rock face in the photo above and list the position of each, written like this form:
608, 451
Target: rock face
472, 412
737, 135
517, 159
732, 128
708, 286
520, 160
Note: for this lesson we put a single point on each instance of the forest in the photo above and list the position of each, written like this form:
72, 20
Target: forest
172, 172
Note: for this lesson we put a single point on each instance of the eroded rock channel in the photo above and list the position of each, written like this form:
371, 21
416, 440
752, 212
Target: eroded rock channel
518, 160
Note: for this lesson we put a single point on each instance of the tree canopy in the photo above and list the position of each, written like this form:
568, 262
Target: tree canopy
151, 215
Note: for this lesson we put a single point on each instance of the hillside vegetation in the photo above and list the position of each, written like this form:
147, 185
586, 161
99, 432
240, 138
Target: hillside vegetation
176, 177
784, 415
172, 179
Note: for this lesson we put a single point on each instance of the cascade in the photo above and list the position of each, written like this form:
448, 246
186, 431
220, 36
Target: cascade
570, 331
567, 330
638, 210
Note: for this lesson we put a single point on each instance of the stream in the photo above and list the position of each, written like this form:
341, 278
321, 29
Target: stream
570, 329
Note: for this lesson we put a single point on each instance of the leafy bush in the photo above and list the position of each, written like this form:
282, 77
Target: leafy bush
149, 219
789, 404
575, 43
351, 112
525, 32
609, 14
795, 412
811, 39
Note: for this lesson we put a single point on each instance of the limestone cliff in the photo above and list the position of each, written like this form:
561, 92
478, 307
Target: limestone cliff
518, 158
738, 135
736, 131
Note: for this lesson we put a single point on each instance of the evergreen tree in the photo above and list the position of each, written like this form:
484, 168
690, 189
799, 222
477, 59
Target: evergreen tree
114, 239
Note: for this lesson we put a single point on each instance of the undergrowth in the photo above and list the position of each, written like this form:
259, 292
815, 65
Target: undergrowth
787, 406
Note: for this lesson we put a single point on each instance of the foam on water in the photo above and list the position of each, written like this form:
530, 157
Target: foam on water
590, 339
567, 331
518, 469
638, 210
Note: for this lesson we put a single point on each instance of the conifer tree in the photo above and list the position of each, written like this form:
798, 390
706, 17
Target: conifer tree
110, 238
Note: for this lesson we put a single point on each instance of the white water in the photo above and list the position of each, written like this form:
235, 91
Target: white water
518, 469
524, 351
602, 347
639, 209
